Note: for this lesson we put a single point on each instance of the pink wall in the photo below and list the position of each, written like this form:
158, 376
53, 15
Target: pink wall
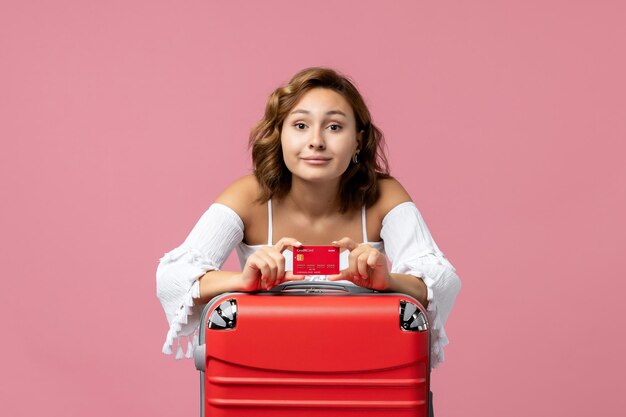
121, 121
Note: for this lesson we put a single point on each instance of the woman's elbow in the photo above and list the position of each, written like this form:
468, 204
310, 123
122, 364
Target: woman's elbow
453, 287
448, 287
454, 283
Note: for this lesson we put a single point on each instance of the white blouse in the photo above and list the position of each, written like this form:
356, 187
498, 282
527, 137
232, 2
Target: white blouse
405, 240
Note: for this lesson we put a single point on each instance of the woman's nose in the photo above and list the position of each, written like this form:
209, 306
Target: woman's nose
317, 141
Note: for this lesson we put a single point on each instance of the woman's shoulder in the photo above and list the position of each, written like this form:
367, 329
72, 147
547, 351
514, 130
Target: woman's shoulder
392, 193
241, 196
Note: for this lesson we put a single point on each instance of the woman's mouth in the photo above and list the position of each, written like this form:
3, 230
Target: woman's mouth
316, 160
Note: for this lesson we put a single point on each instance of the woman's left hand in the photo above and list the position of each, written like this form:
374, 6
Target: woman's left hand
367, 266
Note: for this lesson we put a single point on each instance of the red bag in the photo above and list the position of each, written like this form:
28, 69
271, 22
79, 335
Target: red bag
314, 349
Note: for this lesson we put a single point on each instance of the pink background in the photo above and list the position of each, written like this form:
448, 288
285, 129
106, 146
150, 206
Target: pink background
121, 121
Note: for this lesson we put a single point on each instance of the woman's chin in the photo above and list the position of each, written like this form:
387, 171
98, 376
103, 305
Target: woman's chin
316, 177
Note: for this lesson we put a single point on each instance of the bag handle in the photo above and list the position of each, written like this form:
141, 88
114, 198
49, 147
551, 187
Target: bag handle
318, 287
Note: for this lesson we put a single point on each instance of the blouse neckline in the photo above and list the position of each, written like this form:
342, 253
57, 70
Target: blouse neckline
380, 242
260, 245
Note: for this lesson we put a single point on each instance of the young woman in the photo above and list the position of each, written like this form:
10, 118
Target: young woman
320, 178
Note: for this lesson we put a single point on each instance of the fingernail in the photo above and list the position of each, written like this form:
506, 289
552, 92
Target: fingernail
298, 243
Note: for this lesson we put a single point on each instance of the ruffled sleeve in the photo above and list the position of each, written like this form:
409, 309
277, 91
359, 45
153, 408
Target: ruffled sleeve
412, 250
206, 248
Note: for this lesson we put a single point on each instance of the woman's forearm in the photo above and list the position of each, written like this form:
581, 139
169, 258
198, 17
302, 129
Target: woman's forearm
410, 285
214, 283
217, 282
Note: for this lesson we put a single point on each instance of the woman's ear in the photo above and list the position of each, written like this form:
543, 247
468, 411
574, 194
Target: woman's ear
359, 140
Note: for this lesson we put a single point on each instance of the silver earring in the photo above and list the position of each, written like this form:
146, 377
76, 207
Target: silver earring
355, 158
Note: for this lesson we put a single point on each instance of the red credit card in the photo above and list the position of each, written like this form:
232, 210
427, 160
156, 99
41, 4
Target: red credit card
316, 260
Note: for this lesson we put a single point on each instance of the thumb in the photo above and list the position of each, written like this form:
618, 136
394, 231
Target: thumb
345, 243
289, 276
342, 275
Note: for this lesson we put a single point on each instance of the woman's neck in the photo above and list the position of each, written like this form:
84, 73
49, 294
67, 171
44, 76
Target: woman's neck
313, 200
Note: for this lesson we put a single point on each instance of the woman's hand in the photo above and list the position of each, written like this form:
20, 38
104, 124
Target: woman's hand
265, 268
367, 266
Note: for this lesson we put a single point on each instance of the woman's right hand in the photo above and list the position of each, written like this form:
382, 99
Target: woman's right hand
265, 268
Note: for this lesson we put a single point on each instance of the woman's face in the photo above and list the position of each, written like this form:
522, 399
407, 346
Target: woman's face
319, 136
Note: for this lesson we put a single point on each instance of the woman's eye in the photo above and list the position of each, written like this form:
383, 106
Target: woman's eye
335, 127
300, 125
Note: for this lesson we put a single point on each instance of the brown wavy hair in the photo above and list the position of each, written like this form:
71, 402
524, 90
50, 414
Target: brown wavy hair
359, 183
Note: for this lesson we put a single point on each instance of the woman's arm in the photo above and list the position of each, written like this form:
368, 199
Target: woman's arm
367, 267
237, 197
392, 193
419, 268
205, 249
214, 283
408, 284
264, 269
413, 253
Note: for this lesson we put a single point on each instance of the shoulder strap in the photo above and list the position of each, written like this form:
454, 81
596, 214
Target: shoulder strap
364, 222
269, 222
